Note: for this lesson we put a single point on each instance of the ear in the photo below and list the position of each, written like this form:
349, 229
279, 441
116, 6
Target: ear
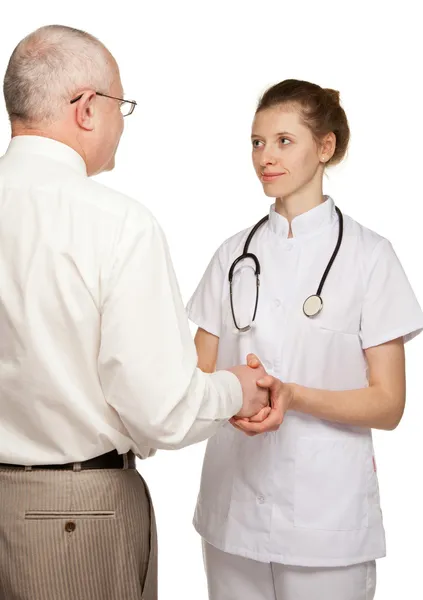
85, 111
327, 147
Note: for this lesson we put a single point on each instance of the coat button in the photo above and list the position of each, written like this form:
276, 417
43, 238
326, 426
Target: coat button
260, 499
70, 526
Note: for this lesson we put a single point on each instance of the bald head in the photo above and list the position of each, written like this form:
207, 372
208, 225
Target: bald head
49, 67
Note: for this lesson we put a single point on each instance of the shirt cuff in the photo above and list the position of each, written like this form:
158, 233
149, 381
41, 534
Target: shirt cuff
229, 390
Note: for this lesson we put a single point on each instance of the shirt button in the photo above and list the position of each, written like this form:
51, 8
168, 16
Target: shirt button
70, 526
260, 499
277, 303
289, 248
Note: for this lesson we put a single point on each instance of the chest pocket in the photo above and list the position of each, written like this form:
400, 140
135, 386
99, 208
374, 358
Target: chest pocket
342, 297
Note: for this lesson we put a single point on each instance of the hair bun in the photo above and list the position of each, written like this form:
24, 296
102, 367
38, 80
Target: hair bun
334, 95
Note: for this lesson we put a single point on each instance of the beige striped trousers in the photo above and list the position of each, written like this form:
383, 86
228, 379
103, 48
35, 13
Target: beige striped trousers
69, 535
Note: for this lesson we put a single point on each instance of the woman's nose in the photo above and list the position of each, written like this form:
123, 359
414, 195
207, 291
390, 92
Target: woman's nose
267, 157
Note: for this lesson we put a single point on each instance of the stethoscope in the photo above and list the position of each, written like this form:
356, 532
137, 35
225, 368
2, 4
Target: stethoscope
313, 304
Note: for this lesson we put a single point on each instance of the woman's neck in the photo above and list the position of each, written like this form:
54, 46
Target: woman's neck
295, 205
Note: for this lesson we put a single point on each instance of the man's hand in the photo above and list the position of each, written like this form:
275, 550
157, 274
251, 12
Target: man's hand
255, 398
268, 419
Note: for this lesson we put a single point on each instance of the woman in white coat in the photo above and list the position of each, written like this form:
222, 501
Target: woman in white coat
294, 513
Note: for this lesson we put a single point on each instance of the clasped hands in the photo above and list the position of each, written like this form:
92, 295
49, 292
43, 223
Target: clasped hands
271, 417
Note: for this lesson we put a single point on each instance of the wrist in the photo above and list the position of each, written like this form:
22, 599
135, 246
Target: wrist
294, 393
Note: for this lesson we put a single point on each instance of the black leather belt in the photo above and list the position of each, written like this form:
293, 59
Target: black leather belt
110, 460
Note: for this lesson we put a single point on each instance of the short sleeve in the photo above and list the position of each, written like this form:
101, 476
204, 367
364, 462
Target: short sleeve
390, 308
205, 307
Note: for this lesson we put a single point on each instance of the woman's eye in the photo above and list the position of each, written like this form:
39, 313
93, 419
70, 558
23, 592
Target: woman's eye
256, 143
285, 141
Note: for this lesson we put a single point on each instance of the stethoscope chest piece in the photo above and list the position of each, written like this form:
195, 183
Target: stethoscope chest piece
312, 306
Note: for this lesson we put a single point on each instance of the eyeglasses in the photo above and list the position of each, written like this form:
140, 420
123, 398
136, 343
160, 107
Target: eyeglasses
127, 107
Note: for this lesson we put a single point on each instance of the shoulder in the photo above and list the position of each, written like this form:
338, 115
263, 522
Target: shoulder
365, 239
110, 203
232, 247
120, 218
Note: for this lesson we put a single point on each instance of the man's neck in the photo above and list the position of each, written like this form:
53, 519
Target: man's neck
53, 133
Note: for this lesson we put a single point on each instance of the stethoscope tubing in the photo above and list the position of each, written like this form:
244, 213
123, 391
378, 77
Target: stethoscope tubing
246, 254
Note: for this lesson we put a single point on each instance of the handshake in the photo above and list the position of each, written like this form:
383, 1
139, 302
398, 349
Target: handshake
265, 399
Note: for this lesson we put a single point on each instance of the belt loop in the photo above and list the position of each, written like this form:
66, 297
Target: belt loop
77, 466
28, 468
125, 461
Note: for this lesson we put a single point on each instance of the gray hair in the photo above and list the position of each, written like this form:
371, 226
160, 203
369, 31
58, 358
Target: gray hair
49, 67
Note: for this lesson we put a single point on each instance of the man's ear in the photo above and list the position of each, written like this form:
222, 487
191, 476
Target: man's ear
85, 110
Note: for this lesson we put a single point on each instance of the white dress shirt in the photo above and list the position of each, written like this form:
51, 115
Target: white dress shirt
308, 493
95, 347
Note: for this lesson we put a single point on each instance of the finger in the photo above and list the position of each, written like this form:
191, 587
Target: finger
249, 433
256, 428
237, 419
272, 423
248, 428
268, 381
257, 418
260, 416
253, 361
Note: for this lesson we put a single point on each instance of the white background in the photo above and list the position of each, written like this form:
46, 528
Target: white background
197, 70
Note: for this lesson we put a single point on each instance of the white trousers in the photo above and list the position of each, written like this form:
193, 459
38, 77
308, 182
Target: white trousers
231, 577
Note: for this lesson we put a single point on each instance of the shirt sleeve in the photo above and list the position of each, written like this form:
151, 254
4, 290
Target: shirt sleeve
147, 359
205, 306
390, 308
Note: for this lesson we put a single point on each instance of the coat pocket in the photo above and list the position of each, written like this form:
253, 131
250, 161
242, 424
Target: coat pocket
331, 484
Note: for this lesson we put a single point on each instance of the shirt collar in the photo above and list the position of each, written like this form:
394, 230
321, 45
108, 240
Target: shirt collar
57, 151
305, 224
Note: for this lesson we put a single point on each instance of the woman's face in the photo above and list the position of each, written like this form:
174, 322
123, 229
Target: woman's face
286, 157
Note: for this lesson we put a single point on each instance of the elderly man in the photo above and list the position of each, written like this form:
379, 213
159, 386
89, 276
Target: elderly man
97, 363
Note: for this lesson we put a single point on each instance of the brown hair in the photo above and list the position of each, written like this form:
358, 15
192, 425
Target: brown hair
320, 109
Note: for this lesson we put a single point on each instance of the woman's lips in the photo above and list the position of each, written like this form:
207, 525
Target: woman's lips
270, 176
